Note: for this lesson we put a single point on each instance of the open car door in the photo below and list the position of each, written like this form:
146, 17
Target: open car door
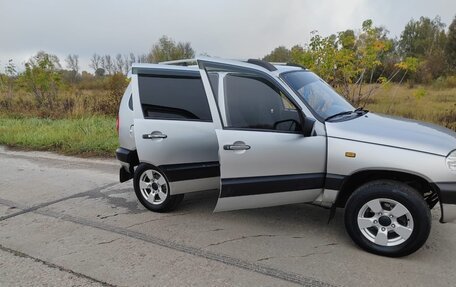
173, 126
265, 159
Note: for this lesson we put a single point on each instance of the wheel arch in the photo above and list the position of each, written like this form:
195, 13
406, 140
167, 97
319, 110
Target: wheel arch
419, 182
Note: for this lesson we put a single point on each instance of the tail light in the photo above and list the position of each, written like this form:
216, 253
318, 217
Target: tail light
117, 124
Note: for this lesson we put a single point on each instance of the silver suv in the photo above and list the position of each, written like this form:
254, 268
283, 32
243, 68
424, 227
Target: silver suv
267, 135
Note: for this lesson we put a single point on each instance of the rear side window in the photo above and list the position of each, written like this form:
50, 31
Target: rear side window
177, 98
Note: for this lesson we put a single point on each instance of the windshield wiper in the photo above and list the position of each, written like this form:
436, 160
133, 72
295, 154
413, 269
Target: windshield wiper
360, 109
339, 114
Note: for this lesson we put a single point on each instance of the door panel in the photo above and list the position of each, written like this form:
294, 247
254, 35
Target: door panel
266, 200
264, 158
270, 153
278, 168
185, 142
174, 131
187, 152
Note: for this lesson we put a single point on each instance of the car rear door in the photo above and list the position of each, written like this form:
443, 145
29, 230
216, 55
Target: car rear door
173, 126
265, 158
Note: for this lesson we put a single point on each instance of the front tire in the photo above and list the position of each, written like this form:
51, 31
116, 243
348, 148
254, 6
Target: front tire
152, 189
387, 218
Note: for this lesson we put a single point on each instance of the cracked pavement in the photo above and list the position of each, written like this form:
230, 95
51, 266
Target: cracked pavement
67, 221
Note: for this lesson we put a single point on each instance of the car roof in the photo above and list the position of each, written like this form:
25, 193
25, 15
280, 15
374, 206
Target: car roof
181, 66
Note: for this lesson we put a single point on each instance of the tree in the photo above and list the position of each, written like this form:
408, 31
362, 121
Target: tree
72, 62
107, 64
167, 50
279, 54
42, 79
8, 79
142, 58
119, 64
129, 60
73, 65
100, 72
423, 37
95, 62
43, 58
450, 47
346, 60
425, 40
184, 50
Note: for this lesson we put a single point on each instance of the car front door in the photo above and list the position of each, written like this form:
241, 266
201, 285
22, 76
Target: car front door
173, 127
265, 159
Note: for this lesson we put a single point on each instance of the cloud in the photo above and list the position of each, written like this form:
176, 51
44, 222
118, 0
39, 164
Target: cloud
231, 28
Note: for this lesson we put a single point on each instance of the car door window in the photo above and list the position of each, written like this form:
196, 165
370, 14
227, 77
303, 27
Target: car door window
253, 102
173, 98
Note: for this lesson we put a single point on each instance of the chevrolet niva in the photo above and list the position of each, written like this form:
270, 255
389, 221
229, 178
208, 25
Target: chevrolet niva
274, 134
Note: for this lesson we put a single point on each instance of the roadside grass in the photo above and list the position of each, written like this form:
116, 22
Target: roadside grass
91, 136
74, 133
424, 103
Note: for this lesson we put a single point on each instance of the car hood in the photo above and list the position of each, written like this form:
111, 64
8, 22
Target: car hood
395, 132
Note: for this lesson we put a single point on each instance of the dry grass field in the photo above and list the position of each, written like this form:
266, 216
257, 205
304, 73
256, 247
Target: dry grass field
424, 103
82, 122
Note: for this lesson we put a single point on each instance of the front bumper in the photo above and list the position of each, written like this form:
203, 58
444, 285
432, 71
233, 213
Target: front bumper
447, 197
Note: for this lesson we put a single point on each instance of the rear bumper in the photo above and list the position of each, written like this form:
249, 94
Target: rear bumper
128, 159
447, 197
127, 156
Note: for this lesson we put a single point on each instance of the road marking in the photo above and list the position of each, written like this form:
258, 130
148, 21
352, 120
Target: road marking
225, 259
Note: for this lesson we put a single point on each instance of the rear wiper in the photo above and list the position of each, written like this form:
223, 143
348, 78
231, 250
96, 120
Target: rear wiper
360, 109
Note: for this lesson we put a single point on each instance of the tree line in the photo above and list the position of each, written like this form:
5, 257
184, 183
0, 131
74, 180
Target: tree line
424, 52
349, 60
56, 88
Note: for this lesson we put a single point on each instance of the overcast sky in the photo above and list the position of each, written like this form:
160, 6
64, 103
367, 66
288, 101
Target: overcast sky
225, 28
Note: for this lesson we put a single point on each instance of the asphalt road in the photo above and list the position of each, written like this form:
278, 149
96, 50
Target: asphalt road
68, 222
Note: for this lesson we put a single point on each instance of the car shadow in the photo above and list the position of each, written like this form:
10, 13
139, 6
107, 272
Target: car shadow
296, 218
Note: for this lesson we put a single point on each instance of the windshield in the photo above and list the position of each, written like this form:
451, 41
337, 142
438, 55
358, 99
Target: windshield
317, 93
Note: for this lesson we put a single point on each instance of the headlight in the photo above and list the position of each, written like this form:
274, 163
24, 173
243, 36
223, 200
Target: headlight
451, 160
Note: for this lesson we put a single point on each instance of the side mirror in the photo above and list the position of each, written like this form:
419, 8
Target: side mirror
307, 124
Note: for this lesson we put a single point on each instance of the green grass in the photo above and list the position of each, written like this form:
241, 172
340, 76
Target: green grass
92, 136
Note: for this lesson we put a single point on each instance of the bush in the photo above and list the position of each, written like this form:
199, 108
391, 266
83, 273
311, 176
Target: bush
447, 82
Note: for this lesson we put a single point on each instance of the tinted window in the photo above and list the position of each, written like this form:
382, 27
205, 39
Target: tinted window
252, 102
214, 81
180, 98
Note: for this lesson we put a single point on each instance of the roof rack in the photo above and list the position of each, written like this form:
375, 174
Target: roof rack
268, 66
288, 64
279, 63
296, 65
183, 62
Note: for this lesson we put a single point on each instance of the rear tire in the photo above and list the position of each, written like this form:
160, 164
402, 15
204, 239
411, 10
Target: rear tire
387, 218
152, 189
